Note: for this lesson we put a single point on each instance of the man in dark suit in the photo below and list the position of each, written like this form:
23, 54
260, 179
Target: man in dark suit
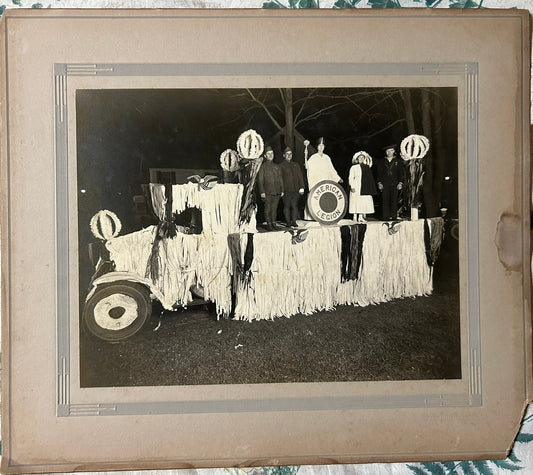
270, 187
293, 187
390, 176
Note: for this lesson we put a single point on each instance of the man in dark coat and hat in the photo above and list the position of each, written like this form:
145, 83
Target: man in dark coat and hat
390, 176
270, 187
293, 187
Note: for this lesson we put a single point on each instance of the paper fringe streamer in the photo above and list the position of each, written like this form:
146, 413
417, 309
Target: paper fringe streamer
184, 261
158, 199
433, 236
277, 278
307, 278
220, 206
393, 266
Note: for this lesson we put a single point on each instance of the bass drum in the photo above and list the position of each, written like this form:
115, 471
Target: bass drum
117, 311
327, 202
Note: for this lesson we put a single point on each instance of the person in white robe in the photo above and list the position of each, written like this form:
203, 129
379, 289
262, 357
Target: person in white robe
320, 168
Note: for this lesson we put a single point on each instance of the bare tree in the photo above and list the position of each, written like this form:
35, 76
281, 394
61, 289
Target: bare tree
373, 112
288, 109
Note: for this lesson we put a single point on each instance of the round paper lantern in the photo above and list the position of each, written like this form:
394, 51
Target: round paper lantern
414, 146
105, 225
229, 160
250, 144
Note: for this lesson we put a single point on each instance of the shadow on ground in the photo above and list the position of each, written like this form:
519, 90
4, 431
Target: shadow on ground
406, 339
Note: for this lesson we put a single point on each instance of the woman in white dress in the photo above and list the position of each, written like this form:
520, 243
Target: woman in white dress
362, 187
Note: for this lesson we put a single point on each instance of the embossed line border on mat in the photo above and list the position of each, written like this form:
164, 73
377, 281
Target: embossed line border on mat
466, 73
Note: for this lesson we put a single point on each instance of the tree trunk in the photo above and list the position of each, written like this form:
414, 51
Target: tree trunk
409, 116
439, 151
289, 119
429, 199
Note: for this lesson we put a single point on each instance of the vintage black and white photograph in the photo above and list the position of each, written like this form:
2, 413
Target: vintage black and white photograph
275, 235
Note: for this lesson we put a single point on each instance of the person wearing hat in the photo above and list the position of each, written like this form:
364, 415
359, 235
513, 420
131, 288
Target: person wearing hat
293, 187
320, 168
390, 175
270, 187
362, 187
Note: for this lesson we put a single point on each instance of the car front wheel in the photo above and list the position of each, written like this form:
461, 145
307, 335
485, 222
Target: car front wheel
117, 311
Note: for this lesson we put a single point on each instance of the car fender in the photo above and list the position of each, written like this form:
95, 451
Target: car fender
111, 277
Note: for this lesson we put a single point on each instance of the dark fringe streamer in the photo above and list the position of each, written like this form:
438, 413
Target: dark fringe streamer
248, 202
154, 261
358, 237
249, 253
242, 269
433, 239
164, 230
235, 251
427, 242
352, 238
345, 252
246, 273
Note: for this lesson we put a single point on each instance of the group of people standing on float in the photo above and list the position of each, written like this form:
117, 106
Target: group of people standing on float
286, 182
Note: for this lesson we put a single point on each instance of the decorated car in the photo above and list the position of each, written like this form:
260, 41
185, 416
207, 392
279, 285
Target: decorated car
246, 274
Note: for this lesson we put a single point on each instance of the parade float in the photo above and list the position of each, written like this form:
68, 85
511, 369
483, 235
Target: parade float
247, 274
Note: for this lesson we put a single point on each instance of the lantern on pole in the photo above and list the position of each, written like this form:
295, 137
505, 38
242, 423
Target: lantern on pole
412, 150
414, 147
105, 225
250, 145
229, 160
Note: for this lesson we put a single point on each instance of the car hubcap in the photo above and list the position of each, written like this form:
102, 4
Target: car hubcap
116, 312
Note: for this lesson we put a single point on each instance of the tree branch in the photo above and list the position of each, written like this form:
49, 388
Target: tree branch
318, 113
282, 94
392, 124
264, 107
300, 111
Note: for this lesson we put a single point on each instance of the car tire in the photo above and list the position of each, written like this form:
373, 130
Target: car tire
117, 311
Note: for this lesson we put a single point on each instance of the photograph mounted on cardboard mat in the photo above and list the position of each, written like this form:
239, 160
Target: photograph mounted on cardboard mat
234, 236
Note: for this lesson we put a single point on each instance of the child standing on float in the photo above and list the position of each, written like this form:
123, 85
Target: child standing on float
362, 187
